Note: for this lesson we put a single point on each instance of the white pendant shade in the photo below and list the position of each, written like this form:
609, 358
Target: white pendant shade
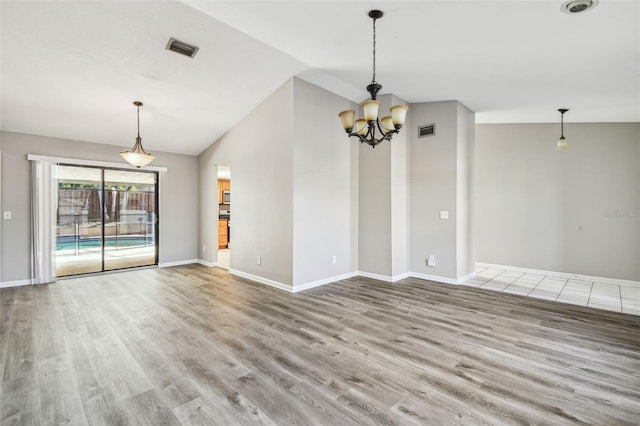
138, 159
562, 143
137, 156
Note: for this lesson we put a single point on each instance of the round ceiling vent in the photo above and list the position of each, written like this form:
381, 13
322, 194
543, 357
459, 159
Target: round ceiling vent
578, 6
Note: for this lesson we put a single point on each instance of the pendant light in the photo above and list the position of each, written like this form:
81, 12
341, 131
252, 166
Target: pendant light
562, 142
137, 156
365, 129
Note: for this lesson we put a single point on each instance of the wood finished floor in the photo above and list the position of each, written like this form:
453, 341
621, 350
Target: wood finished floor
193, 345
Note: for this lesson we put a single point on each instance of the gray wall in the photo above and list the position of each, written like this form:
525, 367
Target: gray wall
465, 192
441, 179
294, 188
325, 194
530, 198
383, 201
178, 197
259, 151
374, 214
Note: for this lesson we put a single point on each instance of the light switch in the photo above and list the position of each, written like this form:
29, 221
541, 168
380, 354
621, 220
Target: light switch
7, 215
444, 214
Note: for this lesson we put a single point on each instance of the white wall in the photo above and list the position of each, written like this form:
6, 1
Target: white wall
530, 198
178, 197
324, 194
259, 151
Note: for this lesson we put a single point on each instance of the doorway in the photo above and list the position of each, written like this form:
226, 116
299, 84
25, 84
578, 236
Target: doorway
106, 219
224, 217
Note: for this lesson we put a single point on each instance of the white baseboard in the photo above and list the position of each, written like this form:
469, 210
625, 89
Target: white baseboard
312, 284
435, 278
262, 280
18, 283
386, 278
207, 263
177, 263
604, 280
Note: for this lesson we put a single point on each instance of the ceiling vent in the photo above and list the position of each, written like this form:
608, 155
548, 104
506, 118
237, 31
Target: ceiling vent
578, 6
182, 48
426, 131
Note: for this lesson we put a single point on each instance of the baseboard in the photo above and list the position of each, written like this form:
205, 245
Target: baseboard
436, 278
177, 263
18, 283
207, 263
467, 277
604, 280
329, 280
262, 280
386, 278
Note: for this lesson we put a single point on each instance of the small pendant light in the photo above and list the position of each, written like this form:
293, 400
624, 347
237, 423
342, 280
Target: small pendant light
137, 156
562, 142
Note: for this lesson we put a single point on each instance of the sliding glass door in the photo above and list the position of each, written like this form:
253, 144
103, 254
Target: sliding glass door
106, 219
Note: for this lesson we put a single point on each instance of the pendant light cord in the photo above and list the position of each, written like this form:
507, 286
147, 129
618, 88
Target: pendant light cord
138, 106
373, 80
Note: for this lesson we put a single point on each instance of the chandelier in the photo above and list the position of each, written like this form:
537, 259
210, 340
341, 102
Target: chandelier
371, 129
137, 156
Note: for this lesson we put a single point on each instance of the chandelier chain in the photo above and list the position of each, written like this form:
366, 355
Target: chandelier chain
373, 80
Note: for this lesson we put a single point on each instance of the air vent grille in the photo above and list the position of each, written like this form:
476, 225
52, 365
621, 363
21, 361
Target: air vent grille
425, 131
182, 48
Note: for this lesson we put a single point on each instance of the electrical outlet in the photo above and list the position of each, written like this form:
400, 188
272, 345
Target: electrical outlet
335, 260
444, 214
431, 260
7, 215
259, 261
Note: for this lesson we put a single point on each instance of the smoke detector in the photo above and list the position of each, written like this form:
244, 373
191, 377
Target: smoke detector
578, 6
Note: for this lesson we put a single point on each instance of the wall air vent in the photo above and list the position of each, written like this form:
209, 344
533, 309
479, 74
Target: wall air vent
182, 48
425, 131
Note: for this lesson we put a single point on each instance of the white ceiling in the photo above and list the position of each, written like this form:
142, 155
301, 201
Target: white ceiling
72, 69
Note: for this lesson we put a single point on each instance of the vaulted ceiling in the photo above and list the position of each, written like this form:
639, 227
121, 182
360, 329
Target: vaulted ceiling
73, 69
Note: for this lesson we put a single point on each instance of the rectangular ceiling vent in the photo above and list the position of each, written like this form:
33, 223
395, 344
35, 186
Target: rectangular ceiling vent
182, 48
425, 131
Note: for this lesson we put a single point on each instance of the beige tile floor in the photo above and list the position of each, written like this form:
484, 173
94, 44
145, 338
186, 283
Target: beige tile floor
224, 258
611, 297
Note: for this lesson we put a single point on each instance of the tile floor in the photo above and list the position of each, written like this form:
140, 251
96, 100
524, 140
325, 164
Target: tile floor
224, 259
618, 298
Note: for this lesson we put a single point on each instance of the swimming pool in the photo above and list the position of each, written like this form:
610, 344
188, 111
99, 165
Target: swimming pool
71, 242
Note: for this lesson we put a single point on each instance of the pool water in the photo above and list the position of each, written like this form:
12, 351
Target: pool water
68, 242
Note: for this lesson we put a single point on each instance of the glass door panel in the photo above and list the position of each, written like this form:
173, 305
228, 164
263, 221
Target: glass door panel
106, 220
79, 221
129, 219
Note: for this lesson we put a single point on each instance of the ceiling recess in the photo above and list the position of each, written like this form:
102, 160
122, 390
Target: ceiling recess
182, 48
578, 6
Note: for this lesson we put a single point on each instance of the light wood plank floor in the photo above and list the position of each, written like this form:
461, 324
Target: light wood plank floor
193, 345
